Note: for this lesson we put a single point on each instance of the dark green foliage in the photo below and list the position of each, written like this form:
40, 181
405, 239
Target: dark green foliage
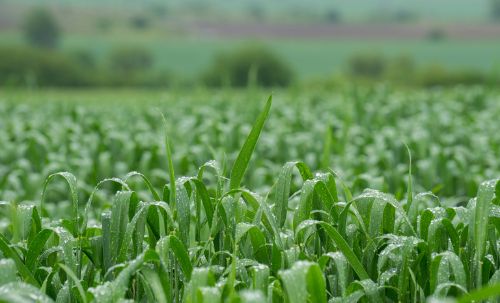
41, 28
20, 66
84, 58
401, 70
367, 65
249, 66
436, 75
495, 10
130, 59
139, 22
31, 67
436, 34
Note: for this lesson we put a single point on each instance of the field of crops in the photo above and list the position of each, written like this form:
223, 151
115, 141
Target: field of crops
220, 196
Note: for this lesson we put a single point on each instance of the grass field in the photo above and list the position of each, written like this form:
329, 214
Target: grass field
188, 57
309, 197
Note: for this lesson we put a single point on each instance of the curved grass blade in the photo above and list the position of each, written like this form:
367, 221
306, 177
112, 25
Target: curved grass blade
340, 243
172, 243
146, 181
71, 181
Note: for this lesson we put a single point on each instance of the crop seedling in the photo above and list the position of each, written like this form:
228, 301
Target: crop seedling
211, 237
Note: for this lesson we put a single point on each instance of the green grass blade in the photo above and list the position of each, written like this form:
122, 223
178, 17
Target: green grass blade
479, 225
71, 274
489, 291
340, 243
8, 252
71, 180
153, 280
170, 162
241, 163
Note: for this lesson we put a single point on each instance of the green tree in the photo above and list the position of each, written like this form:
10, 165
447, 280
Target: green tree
41, 28
367, 65
130, 59
249, 66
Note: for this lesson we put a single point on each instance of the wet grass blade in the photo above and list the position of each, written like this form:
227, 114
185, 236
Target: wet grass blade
479, 224
341, 243
241, 163
8, 252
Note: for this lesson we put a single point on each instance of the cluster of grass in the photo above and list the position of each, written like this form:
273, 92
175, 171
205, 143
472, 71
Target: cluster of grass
233, 234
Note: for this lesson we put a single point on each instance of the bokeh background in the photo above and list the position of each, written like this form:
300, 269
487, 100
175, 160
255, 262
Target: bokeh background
217, 43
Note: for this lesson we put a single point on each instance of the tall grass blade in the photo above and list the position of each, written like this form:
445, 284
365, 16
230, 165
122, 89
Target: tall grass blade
241, 163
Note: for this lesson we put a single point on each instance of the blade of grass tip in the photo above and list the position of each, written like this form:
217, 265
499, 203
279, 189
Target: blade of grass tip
88, 205
347, 193
72, 184
241, 163
409, 199
146, 181
170, 162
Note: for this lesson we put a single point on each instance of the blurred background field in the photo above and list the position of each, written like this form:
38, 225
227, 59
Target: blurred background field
182, 42
358, 131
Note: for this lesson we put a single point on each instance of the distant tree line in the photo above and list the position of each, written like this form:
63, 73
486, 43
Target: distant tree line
42, 64
402, 70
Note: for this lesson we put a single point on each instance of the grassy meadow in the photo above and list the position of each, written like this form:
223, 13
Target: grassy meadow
353, 194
